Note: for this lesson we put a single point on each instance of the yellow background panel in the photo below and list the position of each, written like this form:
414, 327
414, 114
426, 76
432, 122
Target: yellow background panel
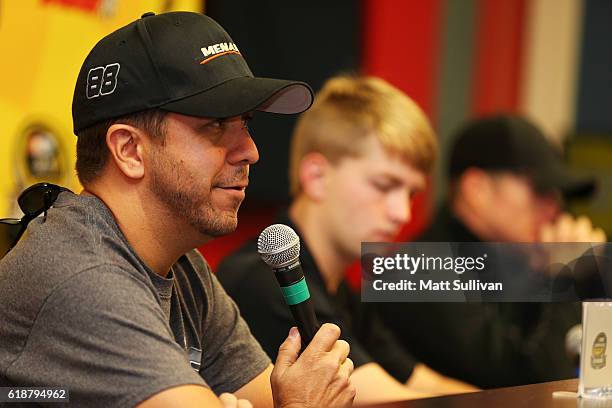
42, 46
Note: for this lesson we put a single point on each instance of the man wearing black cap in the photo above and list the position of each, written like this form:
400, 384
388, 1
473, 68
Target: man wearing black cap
507, 183
106, 296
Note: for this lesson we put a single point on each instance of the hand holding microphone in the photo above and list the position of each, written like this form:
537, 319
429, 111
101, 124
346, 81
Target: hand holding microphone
279, 246
320, 375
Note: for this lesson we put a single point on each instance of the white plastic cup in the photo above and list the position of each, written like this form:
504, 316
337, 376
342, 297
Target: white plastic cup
596, 356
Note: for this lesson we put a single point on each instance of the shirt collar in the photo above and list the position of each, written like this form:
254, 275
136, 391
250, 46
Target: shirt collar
306, 259
324, 302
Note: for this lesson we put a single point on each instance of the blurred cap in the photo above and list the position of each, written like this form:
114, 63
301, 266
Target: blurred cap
511, 143
180, 62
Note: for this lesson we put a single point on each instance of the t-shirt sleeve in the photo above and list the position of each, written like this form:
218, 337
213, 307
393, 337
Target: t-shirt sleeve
387, 350
111, 345
232, 356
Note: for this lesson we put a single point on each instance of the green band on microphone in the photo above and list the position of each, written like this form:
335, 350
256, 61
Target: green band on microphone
296, 293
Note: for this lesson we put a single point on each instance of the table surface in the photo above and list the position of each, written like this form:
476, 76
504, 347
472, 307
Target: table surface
532, 395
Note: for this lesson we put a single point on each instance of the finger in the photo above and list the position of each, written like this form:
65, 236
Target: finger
324, 339
289, 351
598, 235
341, 350
346, 369
546, 233
344, 382
351, 393
228, 400
244, 404
583, 229
564, 228
341, 378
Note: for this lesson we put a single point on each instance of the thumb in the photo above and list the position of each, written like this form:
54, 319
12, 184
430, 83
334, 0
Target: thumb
289, 350
228, 400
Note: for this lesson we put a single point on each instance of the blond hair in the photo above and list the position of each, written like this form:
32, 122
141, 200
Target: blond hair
347, 111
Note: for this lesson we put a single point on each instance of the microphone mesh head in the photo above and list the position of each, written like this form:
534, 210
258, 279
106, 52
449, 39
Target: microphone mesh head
573, 340
278, 245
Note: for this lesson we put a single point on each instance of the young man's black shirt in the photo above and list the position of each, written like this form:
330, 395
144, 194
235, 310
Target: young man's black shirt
251, 283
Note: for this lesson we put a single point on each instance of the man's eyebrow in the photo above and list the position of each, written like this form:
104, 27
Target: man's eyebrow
388, 178
205, 122
396, 181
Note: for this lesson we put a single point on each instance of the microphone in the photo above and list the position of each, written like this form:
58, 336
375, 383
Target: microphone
573, 345
279, 247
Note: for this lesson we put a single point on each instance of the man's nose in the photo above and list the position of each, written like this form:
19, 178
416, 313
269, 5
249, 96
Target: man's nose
244, 151
398, 207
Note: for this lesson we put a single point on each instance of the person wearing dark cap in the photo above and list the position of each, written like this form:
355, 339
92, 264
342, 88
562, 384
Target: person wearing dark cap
507, 183
106, 296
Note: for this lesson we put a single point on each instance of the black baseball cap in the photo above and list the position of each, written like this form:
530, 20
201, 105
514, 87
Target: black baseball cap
511, 143
180, 62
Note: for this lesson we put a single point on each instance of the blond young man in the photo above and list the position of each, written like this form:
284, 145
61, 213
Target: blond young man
358, 157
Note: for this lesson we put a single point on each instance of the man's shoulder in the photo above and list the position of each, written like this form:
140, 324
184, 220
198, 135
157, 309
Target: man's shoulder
47, 266
78, 233
24, 287
446, 226
105, 282
73, 249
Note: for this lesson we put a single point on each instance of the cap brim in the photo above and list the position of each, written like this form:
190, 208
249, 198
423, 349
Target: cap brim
568, 183
245, 94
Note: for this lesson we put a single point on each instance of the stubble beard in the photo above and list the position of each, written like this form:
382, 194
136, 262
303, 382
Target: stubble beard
178, 190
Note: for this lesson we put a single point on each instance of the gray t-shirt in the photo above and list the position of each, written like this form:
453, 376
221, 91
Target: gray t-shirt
79, 309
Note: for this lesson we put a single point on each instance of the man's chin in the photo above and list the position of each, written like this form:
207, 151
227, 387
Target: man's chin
222, 232
222, 225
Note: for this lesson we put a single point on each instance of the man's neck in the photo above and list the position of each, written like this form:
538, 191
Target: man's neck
331, 264
150, 229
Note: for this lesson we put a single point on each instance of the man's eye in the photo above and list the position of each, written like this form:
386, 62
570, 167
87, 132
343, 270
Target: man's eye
216, 124
382, 187
246, 121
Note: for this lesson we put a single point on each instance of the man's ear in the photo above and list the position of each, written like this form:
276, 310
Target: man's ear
475, 186
314, 169
125, 145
